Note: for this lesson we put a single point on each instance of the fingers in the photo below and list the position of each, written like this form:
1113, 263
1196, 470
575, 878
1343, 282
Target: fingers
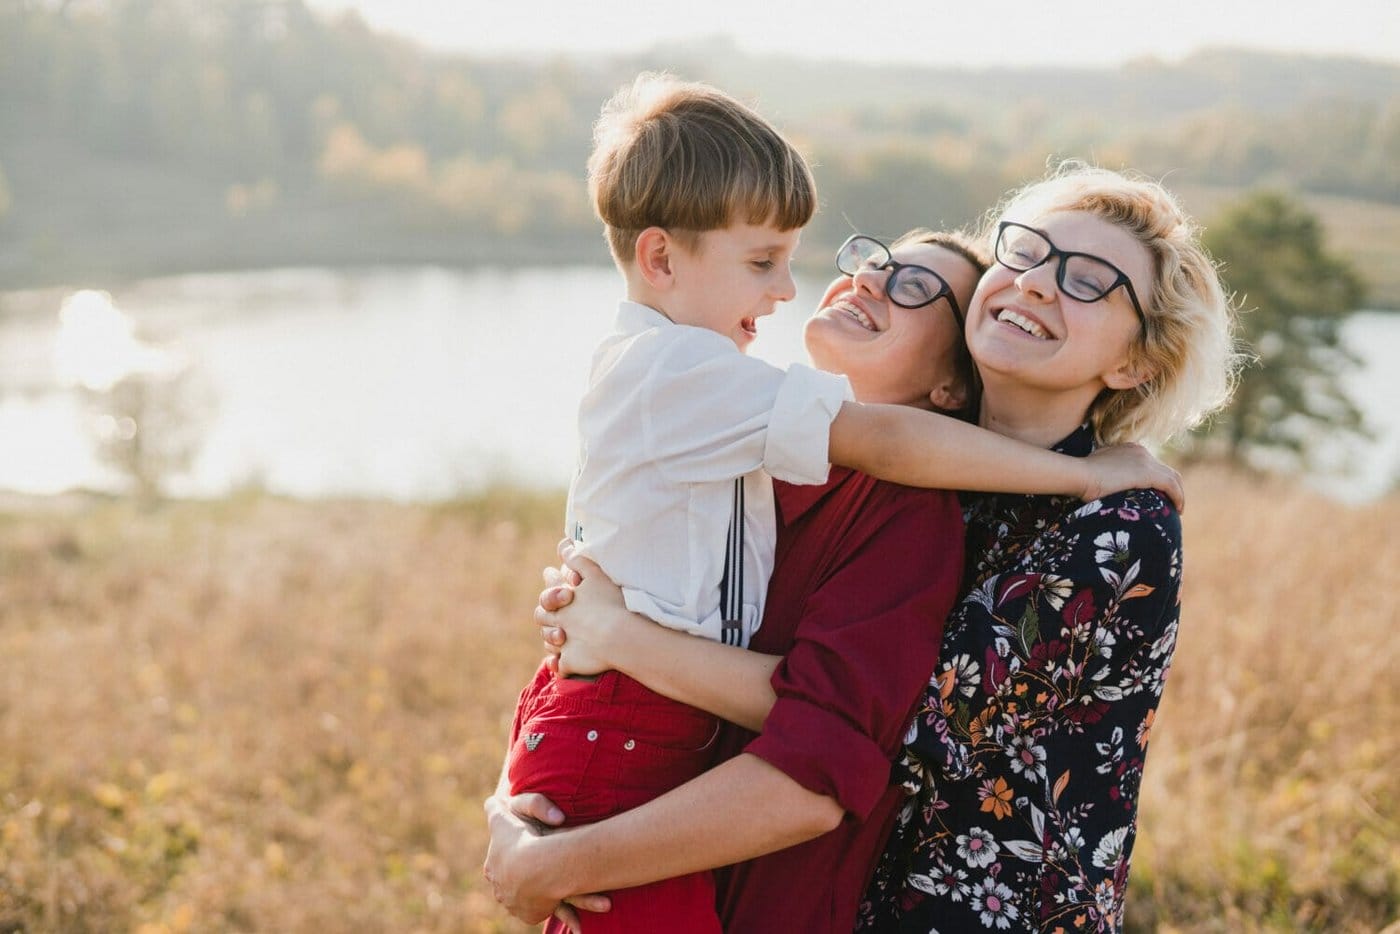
536, 807
556, 598
581, 565
594, 903
569, 918
550, 630
566, 549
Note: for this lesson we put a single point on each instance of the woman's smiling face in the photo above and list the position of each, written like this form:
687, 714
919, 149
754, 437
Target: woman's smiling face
891, 353
1023, 328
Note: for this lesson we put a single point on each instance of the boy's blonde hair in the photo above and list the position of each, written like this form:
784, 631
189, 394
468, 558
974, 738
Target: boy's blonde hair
689, 158
1187, 342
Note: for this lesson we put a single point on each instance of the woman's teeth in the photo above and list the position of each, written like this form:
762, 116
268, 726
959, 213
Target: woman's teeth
859, 316
1026, 324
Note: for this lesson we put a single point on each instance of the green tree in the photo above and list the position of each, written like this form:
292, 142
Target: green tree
1296, 297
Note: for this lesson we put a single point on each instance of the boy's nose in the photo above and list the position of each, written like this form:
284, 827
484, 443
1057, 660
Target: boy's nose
787, 287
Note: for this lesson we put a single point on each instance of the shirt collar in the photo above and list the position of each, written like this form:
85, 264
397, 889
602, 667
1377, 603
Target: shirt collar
794, 500
634, 316
1078, 443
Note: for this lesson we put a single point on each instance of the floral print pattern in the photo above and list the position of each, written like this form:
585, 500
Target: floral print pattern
1024, 764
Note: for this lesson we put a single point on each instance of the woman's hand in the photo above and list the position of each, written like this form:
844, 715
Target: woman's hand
517, 861
584, 623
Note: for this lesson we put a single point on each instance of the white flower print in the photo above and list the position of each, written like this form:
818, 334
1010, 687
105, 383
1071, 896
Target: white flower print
1027, 758
1074, 838
969, 673
1141, 679
993, 900
984, 596
943, 880
1106, 897
1165, 644
1110, 849
1104, 641
1111, 547
978, 848
1056, 590
1113, 750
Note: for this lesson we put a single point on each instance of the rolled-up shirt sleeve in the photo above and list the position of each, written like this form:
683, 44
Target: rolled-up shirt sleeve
709, 413
800, 427
867, 642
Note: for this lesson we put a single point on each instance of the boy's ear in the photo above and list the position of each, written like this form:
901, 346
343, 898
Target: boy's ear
653, 257
949, 396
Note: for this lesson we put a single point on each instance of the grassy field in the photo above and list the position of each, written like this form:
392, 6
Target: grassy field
261, 715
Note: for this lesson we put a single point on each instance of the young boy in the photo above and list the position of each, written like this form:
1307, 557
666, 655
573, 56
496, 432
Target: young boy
681, 434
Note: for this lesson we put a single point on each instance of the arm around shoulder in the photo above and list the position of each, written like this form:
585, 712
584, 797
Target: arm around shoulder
925, 449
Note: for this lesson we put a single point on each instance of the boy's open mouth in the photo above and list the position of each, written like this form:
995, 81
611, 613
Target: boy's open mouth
750, 326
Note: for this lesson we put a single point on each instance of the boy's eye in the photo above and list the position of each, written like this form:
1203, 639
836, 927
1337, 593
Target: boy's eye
764, 264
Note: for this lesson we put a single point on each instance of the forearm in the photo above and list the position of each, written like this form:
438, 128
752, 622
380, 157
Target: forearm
741, 809
924, 449
729, 682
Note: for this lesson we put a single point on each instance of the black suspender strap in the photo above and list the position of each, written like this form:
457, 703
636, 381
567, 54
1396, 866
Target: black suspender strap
731, 585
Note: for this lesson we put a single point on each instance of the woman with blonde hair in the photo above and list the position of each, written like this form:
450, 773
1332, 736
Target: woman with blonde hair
1101, 320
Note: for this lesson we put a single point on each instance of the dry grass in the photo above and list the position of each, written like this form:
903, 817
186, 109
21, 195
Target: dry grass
258, 715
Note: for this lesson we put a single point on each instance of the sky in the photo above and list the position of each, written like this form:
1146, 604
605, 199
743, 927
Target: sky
952, 32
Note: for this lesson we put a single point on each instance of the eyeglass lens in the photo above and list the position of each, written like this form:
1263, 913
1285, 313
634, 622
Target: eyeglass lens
1086, 278
907, 286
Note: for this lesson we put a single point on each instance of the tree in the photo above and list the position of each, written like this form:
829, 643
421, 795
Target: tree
1296, 297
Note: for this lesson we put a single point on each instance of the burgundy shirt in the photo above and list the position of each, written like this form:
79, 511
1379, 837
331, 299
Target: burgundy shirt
864, 574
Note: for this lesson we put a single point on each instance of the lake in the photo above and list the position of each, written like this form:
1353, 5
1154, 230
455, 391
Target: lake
408, 383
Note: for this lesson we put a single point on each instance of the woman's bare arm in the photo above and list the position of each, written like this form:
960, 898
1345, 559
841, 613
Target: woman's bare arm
738, 810
924, 449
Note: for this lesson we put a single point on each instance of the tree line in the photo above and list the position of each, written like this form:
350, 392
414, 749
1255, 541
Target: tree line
274, 129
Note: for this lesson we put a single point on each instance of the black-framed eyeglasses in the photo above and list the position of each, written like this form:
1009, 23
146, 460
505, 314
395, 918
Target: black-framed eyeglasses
908, 286
1082, 276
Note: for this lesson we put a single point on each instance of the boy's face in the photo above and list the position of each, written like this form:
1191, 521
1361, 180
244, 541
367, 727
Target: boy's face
732, 277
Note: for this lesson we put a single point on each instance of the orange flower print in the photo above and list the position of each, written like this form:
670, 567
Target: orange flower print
996, 797
1145, 728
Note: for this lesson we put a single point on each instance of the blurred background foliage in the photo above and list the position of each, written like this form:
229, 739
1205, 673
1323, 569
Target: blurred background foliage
152, 136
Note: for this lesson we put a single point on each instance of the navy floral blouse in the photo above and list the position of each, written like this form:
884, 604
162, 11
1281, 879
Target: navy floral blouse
1024, 763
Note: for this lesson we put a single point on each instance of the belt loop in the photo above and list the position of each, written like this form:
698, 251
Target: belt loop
607, 686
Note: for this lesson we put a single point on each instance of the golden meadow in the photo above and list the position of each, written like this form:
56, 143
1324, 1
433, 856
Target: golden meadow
265, 715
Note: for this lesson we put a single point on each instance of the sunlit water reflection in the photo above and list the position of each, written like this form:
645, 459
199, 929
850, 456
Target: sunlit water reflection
417, 383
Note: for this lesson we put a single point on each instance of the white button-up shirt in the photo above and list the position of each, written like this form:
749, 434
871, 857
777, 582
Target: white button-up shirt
672, 415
